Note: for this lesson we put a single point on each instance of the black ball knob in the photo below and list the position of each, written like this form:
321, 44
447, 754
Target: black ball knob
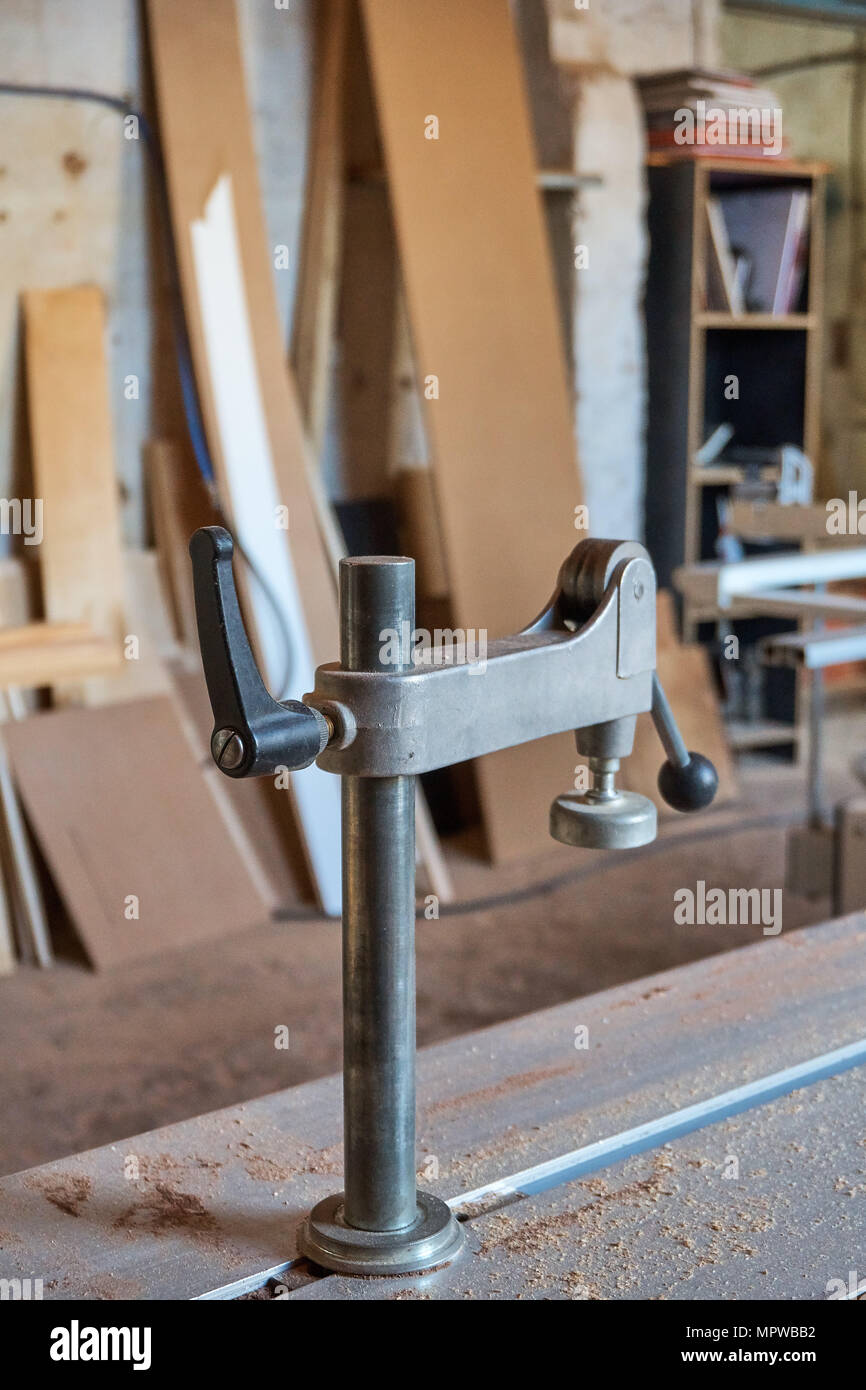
689, 788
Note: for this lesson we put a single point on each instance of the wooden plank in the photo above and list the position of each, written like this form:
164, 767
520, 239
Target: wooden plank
250, 807
800, 168
7, 941
227, 277
318, 276
791, 523
149, 637
485, 325
126, 826
8, 961
73, 460
179, 505
22, 905
54, 654
315, 324
24, 880
251, 811
205, 125
249, 836
491, 1102
321, 249
420, 532
18, 589
155, 666
420, 538
409, 465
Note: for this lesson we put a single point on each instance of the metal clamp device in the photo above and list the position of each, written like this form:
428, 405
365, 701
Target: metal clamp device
379, 718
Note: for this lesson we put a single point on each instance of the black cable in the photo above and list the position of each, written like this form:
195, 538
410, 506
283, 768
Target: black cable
180, 329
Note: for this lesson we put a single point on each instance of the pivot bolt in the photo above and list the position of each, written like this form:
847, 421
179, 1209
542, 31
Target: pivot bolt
227, 748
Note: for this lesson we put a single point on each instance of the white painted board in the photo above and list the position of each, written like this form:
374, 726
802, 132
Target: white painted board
255, 508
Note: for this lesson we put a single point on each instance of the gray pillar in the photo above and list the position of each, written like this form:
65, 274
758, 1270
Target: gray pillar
377, 599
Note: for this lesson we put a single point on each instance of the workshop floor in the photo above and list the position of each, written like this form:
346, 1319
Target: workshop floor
93, 1058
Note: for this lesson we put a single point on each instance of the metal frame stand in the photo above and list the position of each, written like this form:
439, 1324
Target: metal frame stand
587, 663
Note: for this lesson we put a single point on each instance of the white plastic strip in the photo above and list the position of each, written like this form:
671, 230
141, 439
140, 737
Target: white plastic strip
777, 571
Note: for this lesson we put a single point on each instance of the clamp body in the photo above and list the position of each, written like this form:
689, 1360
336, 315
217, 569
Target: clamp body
378, 719
429, 716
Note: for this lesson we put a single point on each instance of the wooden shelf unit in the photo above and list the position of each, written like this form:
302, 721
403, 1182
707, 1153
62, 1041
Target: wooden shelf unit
692, 349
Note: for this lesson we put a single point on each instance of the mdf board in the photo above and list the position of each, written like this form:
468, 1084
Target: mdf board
487, 338
73, 458
251, 411
249, 807
129, 831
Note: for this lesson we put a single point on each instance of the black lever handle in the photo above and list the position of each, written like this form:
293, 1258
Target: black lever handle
687, 781
254, 735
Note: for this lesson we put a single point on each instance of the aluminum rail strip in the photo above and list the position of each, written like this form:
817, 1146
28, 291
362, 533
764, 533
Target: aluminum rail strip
764, 1205
595, 1158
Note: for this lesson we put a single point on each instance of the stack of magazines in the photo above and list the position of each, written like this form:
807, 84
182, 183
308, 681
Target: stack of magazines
703, 111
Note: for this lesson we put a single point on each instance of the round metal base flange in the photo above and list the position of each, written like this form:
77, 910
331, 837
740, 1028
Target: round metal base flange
626, 821
434, 1239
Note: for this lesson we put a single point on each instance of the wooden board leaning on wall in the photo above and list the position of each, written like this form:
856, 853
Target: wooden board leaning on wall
486, 332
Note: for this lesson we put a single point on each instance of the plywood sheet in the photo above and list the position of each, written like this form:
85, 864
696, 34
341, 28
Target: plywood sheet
226, 268
116, 802
484, 322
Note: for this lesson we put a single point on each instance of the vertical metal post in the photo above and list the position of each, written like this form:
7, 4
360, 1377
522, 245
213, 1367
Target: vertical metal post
377, 616
380, 1223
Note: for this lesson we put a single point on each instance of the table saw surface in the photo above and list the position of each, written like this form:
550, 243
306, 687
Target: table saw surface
768, 1202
